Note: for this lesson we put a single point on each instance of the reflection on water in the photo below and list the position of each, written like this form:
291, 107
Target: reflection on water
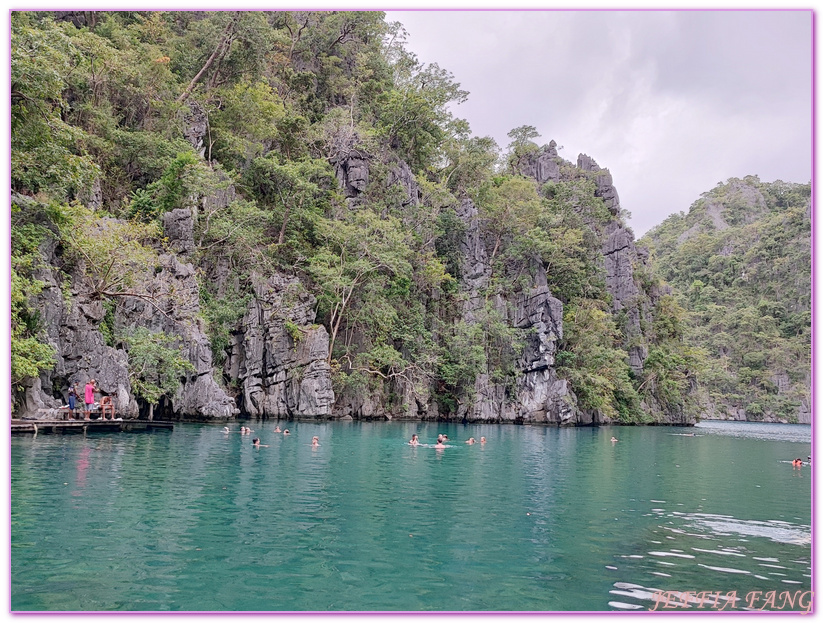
538, 519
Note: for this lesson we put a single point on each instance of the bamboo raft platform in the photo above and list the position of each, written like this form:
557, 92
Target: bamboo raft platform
85, 426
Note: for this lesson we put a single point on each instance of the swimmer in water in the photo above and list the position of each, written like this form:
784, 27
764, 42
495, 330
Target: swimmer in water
226, 429
797, 463
414, 441
315, 441
482, 440
470, 440
277, 429
256, 443
614, 439
286, 432
439, 444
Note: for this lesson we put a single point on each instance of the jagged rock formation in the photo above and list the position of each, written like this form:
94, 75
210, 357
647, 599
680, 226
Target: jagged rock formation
605, 188
439, 308
74, 325
176, 289
621, 258
71, 320
543, 166
632, 302
352, 172
402, 174
279, 357
540, 397
475, 269
196, 125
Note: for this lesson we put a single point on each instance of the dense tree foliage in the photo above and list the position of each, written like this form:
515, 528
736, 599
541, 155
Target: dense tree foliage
102, 103
156, 363
741, 261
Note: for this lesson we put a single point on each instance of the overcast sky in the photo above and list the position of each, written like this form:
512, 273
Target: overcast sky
671, 102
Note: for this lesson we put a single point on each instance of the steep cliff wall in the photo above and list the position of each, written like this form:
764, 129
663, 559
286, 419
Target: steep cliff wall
633, 290
74, 323
71, 320
315, 231
279, 358
534, 393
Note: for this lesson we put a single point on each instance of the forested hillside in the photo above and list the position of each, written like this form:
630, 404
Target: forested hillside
276, 214
741, 259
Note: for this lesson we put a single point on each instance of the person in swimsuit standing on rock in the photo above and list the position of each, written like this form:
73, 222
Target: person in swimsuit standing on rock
89, 398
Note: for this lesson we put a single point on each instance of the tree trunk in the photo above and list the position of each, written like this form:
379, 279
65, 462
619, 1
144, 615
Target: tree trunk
151, 412
220, 50
282, 235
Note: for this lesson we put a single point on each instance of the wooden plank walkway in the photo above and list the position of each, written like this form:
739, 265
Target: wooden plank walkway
84, 426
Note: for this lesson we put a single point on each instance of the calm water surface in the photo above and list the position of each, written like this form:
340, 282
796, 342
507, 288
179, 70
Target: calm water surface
538, 519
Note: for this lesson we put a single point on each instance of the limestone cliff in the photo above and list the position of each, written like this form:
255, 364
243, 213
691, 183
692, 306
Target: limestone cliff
279, 357
626, 268
537, 394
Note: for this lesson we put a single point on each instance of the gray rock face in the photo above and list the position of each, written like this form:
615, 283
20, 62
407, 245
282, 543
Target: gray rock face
195, 127
279, 357
542, 315
475, 269
543, 165
539, 396
74, 325
603, 179
175, 312
179, 227
219, 197
401, 174
621, 259
352, 172
72, 322
621, 256
77, 18
361, 406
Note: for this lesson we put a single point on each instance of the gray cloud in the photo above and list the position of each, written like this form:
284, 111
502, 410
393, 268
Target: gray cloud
672, 102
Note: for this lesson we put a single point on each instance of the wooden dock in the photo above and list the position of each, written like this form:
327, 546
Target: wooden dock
85, 426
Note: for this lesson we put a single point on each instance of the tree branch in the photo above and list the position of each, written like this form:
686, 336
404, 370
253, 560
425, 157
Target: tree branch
222, 46
142, 297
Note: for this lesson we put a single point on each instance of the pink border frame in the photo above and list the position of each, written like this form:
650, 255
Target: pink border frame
288, 614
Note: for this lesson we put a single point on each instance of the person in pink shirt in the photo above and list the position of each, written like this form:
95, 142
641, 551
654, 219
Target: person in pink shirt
89, 399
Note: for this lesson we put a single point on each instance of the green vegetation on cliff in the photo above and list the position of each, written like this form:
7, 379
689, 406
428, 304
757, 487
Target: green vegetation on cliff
741, 263
312, 143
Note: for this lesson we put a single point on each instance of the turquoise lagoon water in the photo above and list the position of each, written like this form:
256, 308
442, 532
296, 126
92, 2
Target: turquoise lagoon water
538, 519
